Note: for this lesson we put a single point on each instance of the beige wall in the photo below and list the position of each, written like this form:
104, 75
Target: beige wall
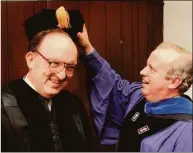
178, 25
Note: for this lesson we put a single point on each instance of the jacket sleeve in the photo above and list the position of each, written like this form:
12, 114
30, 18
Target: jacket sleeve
111, 97
6, 131
12, 123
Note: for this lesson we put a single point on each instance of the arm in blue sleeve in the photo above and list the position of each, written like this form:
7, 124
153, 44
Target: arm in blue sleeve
111, 97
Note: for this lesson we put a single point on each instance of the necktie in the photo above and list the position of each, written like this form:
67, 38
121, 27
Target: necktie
52, 124
47, 102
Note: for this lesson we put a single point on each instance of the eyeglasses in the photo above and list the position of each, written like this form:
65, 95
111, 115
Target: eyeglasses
58, 66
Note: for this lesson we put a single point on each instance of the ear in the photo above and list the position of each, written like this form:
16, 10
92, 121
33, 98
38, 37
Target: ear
29, 57
175, 82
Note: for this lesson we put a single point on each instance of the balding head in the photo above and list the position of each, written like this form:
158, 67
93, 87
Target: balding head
173, 52
59, 43
51, 60
180, 61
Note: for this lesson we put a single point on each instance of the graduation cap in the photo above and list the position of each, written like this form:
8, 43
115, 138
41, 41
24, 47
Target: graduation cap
70, 21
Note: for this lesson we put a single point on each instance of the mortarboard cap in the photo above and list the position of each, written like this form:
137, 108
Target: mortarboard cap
70, 21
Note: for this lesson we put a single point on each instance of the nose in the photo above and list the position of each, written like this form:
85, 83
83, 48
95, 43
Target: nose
62, 74
143, 72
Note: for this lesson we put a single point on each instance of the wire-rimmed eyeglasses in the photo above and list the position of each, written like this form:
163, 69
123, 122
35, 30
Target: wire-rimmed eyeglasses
58, 66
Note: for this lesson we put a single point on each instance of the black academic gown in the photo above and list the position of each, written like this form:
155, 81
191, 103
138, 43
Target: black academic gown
25, 121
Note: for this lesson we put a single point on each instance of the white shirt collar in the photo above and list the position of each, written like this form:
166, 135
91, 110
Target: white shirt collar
25, 78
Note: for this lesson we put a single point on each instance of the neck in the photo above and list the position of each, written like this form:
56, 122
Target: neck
173, 93
166, 95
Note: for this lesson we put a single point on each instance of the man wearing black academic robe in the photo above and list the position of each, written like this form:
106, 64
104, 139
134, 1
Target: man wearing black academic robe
28, 126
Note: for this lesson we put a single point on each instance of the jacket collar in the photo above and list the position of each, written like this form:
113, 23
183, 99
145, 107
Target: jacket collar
177, 105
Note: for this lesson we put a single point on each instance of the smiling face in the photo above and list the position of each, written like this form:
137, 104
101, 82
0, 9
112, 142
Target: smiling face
55, 47
155, 86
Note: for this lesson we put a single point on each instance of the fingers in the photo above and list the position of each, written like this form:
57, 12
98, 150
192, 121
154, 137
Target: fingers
80, 37
84, 30
84, 40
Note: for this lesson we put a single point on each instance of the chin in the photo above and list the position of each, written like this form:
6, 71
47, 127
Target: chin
151, 98
148, 99
144, 92
51, 92
54, 90
146, 95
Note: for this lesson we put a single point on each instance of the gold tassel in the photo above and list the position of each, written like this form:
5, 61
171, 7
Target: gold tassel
62, 18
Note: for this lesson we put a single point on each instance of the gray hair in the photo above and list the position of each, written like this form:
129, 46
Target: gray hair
181, 67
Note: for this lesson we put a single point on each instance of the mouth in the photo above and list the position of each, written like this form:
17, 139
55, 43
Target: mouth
144, 81
57, 82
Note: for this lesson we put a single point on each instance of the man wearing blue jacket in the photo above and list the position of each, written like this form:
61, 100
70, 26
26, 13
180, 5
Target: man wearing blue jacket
152, 115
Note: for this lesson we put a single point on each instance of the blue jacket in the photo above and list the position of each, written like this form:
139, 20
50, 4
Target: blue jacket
112, 98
